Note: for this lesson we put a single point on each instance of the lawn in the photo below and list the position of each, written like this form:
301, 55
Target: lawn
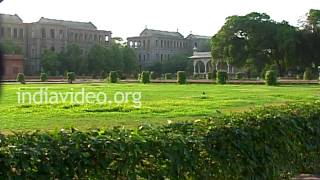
160, 103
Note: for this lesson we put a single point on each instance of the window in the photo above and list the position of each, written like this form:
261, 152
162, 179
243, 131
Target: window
85, 37
157, 44
43, 33
76, 36
161, 43
161, 57
95, 37
52, 33
52, 49
61, 34
107, 38
21, 33
15, 33
33, 52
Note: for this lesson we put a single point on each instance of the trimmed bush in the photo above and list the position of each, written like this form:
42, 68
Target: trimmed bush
271, 78
181, 77
269, 143
239, 75
113, 77
153, 75
71, 76
168, 76
222, 77
307, 75
20, 78
43, 77
145, 77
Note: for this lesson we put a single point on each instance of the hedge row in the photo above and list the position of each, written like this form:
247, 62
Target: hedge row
270, 143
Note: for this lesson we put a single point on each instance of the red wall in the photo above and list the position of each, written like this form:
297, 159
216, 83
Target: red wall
13, 64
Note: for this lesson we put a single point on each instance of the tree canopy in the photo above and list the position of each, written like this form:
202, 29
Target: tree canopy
255, 40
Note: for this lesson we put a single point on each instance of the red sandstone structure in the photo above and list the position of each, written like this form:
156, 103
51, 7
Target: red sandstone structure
13, 64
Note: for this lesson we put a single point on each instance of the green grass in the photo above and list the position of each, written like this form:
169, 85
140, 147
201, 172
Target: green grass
160, 103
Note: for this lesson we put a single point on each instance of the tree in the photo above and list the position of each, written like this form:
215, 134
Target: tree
130, 60
50, 61
9, 47
255, 40
98, 60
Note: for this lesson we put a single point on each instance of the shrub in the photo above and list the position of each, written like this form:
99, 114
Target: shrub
271, 78
153, 75
43, 77
113, 77
307, 75
21, 78
182, 77
168, 76
268, 143
145, 77
222, 77
269, 68
239, 75
71, 76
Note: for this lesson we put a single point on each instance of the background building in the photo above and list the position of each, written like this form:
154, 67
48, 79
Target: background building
157, 46
56, 35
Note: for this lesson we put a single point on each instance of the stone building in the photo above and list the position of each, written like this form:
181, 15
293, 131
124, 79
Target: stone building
158, 46
56, 35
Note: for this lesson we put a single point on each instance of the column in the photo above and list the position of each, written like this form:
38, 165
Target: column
205, 67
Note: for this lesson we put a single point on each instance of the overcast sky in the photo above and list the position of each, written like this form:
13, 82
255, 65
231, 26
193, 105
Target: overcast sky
129, 17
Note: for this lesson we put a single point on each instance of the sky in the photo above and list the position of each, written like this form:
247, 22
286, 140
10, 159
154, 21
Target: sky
126, 18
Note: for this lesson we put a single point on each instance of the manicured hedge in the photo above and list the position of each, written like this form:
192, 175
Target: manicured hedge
20, 78
271, 78
222, 77
145, 77
269, 143
71, 76
181, 77
113, 77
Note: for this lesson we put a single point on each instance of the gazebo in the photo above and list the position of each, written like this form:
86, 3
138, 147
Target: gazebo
202, 64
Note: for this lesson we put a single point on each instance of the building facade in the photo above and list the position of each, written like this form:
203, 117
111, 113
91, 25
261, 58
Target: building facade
55, 35
158, 46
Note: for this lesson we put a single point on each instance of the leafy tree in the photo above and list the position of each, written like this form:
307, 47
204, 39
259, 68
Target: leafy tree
130, 60
9, 47
50, 61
